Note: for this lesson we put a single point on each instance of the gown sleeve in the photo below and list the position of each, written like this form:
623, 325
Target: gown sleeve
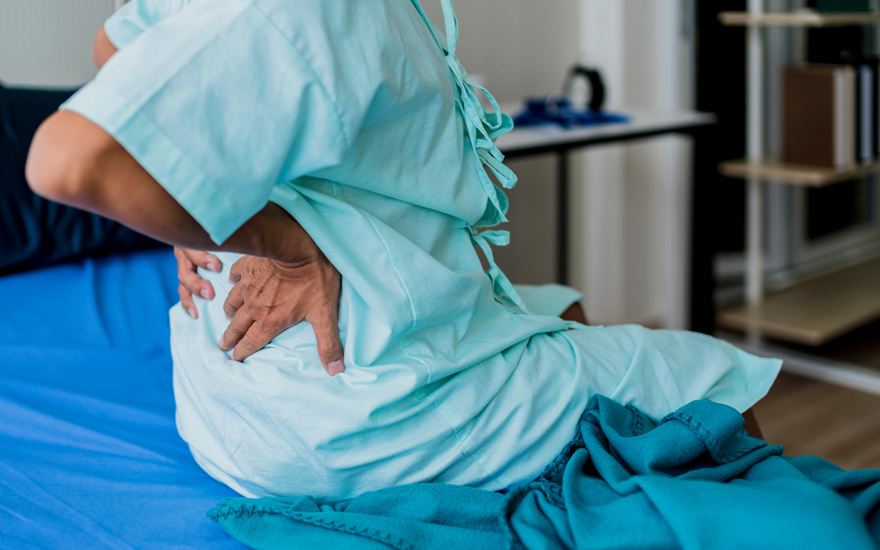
132, 19
219, 106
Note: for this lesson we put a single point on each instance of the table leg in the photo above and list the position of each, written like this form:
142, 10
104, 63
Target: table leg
562, 211
704, 181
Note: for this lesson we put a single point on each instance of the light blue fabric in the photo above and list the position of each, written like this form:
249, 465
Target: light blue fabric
133, 18
694, 480
357, 118
549, 299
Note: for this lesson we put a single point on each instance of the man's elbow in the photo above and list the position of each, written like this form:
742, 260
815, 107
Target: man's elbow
60, 167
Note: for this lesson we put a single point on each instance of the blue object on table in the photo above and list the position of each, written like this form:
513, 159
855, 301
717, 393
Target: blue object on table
89, 452
694, 480
560, 111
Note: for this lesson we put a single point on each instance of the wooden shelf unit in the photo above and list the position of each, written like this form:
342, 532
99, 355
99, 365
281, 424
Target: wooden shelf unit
816, 311
795, 174
825, 307
798, 19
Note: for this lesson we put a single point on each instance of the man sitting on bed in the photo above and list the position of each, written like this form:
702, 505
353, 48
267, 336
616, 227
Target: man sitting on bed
334, 154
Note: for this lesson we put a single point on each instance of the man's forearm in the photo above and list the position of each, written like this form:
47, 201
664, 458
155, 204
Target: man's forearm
75, 162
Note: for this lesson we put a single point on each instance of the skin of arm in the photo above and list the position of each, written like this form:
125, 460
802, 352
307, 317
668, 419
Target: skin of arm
75, 162
85, 173
284, 278
103, 49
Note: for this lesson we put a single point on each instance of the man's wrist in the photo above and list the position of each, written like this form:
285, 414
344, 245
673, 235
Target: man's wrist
284, 240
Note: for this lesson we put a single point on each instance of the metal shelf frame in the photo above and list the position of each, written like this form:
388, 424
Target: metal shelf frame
756, 170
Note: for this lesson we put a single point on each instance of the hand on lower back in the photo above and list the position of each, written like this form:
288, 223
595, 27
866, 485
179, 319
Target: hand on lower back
190, 282
270, 296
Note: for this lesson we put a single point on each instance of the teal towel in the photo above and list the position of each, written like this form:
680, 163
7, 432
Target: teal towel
693, 480
417, 517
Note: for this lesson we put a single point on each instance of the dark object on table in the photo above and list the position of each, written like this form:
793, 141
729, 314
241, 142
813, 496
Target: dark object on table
35, 232
560, 110
594, 79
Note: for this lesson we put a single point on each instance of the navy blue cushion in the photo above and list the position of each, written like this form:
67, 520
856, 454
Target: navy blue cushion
37, 232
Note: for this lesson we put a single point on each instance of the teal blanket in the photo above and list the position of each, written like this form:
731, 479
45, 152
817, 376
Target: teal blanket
694, 479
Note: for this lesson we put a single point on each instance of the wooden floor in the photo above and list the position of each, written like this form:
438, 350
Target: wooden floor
808, 417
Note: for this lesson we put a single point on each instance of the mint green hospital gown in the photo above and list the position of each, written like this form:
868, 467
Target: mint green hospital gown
356, 117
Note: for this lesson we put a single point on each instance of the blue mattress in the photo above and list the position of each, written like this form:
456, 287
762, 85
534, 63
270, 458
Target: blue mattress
89, 453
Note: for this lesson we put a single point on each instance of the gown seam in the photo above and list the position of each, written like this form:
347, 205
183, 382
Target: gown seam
465, 449
398, 275
349, 140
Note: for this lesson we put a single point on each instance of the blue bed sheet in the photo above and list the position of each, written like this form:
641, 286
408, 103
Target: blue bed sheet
89, 452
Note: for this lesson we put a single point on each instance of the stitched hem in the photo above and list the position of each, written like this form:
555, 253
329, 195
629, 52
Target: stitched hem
223, 511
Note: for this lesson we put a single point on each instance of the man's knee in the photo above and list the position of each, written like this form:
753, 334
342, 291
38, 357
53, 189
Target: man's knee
575, 313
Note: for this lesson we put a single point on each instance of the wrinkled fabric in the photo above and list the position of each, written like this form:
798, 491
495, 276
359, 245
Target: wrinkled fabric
424, 517
693, 480
358, 119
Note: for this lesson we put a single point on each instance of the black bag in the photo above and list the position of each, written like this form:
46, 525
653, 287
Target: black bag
34, 231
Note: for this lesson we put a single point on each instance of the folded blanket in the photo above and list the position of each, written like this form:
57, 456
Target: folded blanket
695, 479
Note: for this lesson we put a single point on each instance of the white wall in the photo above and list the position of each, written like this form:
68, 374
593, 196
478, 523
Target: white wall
49, 42
632, 258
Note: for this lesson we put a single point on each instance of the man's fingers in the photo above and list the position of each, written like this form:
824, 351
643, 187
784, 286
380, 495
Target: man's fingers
234, 301
267, 298
187, 301
256, 338
329, 346
205, 260
235, 270
195, 284
236, 330
189, 278
183, 263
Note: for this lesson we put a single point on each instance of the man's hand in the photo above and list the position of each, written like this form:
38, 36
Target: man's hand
190, 282
270, 296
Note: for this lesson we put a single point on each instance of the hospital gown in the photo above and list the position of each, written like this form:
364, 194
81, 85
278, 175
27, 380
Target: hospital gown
356, 117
